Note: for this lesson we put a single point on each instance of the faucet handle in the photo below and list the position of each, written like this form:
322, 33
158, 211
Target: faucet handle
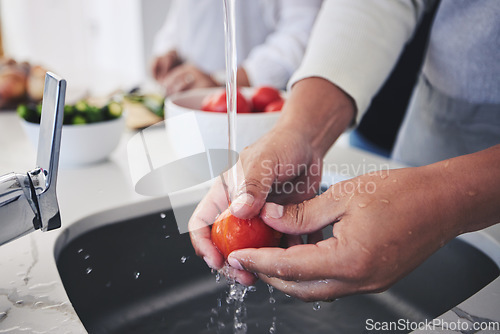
49, 143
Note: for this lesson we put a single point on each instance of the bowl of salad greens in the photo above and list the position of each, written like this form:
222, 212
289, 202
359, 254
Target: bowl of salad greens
90, 133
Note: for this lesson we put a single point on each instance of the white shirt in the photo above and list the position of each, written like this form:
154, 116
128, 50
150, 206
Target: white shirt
359, 57
271, 36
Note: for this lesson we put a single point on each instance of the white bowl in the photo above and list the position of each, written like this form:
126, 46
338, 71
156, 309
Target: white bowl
83, 144
213, 125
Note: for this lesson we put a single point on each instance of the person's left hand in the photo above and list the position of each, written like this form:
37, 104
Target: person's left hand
184, 77
384, 225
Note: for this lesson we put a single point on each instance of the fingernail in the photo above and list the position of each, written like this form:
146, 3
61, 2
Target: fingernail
241, 201
209, 262
274, 210
234, 263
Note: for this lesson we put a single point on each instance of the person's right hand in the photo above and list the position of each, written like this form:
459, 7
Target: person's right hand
283, 167
279, 167
163, 64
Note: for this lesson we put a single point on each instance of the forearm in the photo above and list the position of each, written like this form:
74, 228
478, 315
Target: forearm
318, 111
470, 186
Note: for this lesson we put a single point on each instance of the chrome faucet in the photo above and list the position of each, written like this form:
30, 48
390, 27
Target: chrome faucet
28, 201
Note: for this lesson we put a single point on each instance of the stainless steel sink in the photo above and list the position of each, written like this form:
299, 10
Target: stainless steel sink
138, 275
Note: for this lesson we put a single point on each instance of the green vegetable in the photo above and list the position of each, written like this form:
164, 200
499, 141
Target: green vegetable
155, 104
115, 109
80, 113
152, 102
79, 120
30, 112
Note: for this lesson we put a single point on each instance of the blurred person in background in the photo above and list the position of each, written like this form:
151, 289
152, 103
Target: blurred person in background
271, 37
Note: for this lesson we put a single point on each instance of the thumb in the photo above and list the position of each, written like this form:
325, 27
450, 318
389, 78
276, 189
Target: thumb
250, 194
303, 218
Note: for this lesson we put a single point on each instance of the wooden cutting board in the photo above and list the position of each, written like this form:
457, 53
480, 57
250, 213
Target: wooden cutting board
138, 116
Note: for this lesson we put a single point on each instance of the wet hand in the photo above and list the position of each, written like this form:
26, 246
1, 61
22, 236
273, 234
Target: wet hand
384, 225
282, 167
277, 162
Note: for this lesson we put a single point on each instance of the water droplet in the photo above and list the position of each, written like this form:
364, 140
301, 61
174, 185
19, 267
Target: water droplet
252, 288
272, 300
3, 315
86, 257
217, 277
38, 304
240, 327
80, 250
167, 236
88, 270
446, 163
270, 288
384, 176
287, 295
386, 201
19, 302
164, 227
137, 274
184, 259
362, 205
316, 306
272, 329
163, 215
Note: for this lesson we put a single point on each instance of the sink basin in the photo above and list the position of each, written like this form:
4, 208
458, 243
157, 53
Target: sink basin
139, 275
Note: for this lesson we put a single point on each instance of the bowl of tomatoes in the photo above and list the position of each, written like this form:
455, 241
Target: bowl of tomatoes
258, 109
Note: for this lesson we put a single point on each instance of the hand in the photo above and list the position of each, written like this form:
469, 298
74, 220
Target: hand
162, 65
284, 166
184, 77
384, 225
267, 171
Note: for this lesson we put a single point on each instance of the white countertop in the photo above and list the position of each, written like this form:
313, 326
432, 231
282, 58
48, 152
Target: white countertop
32, 297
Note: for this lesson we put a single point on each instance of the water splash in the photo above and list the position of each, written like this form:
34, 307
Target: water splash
272, 300
316, 306
272, 329
184, 259
136, 275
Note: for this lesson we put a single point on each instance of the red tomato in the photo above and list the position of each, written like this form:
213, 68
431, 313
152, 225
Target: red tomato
230, 233
275, 106
263, 96
217, 102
